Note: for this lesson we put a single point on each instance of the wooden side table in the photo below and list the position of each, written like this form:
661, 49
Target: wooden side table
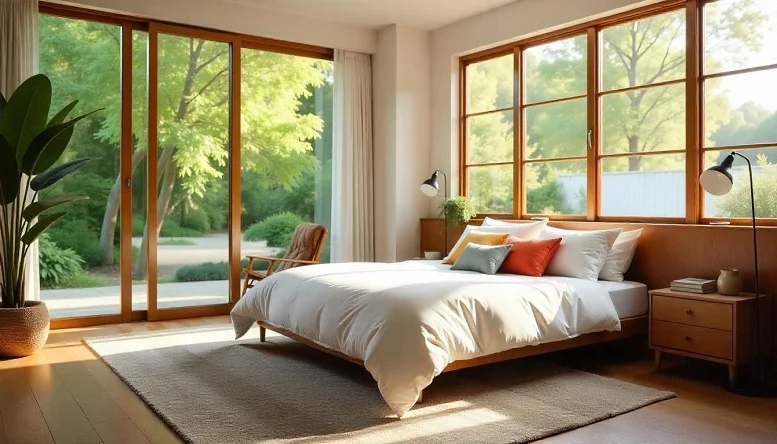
708, 326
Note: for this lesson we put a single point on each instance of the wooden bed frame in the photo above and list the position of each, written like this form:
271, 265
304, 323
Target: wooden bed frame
630, 327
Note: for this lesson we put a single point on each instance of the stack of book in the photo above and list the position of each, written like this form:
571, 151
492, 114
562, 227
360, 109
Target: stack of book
694, 285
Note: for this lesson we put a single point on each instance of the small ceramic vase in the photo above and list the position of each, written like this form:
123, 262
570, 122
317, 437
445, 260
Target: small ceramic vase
729, 282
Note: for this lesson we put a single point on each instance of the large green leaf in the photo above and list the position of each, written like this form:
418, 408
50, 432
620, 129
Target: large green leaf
43, 223
24, 117
9, 173
3, 102
62, 114
48, 146
35, 209
52, 176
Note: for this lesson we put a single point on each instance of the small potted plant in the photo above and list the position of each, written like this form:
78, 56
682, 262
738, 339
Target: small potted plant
457, 210
30, 145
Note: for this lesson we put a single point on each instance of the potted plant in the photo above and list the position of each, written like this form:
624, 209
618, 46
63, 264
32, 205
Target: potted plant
457, 210
30, 145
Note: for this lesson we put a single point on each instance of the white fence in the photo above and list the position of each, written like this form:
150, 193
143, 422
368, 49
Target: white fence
642, 193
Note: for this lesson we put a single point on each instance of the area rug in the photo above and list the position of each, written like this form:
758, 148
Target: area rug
210, 388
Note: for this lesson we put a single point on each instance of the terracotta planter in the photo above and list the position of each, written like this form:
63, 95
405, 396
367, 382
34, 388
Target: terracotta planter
23, 331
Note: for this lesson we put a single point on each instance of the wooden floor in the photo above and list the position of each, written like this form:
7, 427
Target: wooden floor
66, 395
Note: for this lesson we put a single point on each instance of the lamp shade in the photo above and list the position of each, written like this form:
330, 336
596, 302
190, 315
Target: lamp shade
430, 187
718, 180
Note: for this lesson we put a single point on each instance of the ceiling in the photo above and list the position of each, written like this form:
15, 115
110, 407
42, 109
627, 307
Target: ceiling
375, 14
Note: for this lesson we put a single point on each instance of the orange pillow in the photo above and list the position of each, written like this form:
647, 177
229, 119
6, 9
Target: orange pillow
529, 257
475, 237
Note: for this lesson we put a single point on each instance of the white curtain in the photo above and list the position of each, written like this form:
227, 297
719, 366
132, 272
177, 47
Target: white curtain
352, 238
18, 61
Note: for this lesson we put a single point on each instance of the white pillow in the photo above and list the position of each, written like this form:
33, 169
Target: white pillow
582, 253
620, 257
488, 222
529, 230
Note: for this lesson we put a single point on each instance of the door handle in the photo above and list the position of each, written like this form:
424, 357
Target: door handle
589, 139
128, 183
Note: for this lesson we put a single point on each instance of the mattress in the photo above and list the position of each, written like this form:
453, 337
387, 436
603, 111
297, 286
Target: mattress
629, 298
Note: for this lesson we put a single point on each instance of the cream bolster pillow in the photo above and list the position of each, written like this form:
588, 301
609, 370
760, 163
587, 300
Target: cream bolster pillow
581, 254
620, 257
529, 230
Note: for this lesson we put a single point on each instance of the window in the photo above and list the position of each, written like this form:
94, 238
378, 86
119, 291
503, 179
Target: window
616, 119
642, 120
489, 123
740, 102
555, 96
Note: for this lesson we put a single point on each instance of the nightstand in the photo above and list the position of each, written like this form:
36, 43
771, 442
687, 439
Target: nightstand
708, 326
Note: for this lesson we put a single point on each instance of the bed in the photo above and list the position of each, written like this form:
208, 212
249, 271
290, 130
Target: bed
408, 322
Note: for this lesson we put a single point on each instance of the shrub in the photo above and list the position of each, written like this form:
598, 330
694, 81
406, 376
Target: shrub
196, 220
276, 229
57, 265
85, 280
207, 271
213, 271
170, 228
77, 235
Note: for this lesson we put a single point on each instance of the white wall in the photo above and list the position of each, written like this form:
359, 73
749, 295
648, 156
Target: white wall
513, 22
241, 18
384, 112
401, 106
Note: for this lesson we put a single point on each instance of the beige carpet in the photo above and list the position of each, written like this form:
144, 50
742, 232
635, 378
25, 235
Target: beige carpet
212, 389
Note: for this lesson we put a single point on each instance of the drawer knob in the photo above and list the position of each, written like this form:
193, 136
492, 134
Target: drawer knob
689, 312
688, 338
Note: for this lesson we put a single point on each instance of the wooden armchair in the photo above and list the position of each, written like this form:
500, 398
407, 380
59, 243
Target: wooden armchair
305, 248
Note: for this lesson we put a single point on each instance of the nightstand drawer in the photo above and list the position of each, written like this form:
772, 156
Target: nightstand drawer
704, 341
691, 312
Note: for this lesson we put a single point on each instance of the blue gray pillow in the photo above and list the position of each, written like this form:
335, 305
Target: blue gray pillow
482, 258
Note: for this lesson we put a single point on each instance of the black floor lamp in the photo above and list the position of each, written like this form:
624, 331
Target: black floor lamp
431, 188
718, 181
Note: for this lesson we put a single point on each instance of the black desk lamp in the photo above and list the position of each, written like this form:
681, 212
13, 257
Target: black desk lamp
718, 181
431, 188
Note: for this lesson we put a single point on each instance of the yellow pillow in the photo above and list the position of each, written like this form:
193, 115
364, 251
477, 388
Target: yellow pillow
475, 237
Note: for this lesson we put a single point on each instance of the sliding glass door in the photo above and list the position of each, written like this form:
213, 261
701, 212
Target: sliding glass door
173, 197
186, 238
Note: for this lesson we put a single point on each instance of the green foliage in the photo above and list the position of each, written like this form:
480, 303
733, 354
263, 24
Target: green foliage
457, 210
207, 271
276, 229
171, 229
57, 265
214, 271
79, 236
85, 280
174, 242
196, 220
30, 144
546, 199
737, 202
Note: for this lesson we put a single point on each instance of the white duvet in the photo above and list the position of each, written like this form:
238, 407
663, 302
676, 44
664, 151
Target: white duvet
407, 321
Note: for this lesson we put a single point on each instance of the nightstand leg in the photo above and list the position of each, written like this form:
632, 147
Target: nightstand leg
732, 375
657, 361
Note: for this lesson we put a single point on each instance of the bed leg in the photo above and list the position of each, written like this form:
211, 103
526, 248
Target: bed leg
262, 333
420, 398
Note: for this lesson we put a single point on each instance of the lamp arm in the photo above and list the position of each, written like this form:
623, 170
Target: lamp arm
444, 176
755, 261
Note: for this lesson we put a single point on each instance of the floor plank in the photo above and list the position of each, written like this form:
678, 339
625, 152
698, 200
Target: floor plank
120, 431
152, 427
66, 421
2, 431
23, 420
703, 411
